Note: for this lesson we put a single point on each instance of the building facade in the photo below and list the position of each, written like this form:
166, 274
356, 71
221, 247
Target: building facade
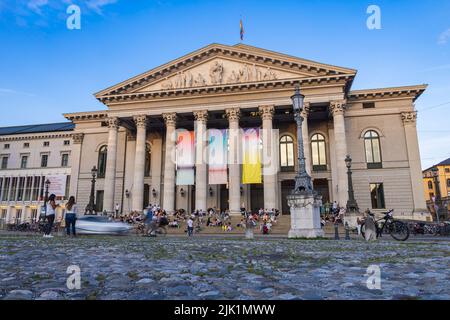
434, 184
31, 155
135, 143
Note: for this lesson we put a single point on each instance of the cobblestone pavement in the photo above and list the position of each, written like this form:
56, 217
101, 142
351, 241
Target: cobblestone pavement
219, 268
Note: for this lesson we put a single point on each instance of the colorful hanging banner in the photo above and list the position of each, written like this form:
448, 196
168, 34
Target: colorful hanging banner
185, 158
217, 156
251, 152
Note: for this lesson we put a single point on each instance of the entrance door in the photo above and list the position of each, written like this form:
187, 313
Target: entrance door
321, 186
223, 198
146, 196
257, 197
99, 202
286, 188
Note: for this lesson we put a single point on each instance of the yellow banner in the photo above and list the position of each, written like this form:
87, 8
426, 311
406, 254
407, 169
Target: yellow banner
251, 165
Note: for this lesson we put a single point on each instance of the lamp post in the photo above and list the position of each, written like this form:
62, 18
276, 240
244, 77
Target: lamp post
43, 213
91, 205
303, 183
304, 203
437, 198
352, 206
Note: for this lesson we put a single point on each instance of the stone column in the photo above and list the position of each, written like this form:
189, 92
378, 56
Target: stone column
139, 163
201, 182
169, 163
234, 170
337, 108
110, 174
77, 139
269, 159
306, 141
415, 167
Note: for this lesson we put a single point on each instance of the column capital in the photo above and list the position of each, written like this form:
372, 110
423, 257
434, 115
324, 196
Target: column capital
409, 117
337, 107
78, 138
113, 122
305, 111
233, 114
266, 112
170, 119
140, 121
201, 115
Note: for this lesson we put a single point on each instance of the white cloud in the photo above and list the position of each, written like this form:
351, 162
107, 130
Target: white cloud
6, 91
444, 37
35, 5
97, 5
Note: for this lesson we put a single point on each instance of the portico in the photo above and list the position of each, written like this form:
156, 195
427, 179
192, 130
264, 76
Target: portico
244, 93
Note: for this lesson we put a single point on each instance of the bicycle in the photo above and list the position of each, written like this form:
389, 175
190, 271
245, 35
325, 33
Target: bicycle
156, 230
396, 228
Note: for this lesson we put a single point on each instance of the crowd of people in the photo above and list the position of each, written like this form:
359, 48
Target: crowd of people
154, 216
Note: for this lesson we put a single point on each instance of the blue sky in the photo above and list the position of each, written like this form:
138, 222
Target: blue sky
47, 70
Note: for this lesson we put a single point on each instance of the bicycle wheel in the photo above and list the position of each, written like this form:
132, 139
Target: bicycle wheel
399, 230
161, 231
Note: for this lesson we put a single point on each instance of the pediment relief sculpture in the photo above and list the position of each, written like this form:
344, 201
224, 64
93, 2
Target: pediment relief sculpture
219, 72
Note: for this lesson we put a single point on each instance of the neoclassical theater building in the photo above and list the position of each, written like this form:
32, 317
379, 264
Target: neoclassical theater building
240, 96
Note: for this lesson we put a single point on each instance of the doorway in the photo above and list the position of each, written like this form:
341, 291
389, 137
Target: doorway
286, 188
321, 186
99, 201
257, 197
146, 196
224, 205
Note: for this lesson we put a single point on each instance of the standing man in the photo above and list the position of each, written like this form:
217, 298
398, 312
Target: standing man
117, 207
190, 226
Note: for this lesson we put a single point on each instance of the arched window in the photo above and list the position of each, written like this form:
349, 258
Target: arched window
147, 160
430, 185
373, 150
287, 153
101, 166
318, 152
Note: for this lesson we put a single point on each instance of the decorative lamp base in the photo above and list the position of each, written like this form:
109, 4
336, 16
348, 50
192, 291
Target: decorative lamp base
305, 215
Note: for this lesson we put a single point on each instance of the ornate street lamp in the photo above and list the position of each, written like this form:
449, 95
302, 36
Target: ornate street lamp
352, 206
437, 197
91, 205
303, 183
43, 213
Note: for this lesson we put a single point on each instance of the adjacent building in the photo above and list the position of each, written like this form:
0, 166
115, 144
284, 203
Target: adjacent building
156, 140
436, 182
31, 155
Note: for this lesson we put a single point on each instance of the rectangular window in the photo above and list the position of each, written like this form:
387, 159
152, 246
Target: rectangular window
24, 162
4, 213
46, 143
448, 183
66, 142
20, 190
44, 160
4, 162
35, 193
26, 145
64, 160
447, 170
28, 189
6, 185
377, 196
12, 195
67, 187
6, 146
18, 216
368, 105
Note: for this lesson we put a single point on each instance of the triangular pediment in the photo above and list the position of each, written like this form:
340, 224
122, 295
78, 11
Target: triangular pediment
218, 64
